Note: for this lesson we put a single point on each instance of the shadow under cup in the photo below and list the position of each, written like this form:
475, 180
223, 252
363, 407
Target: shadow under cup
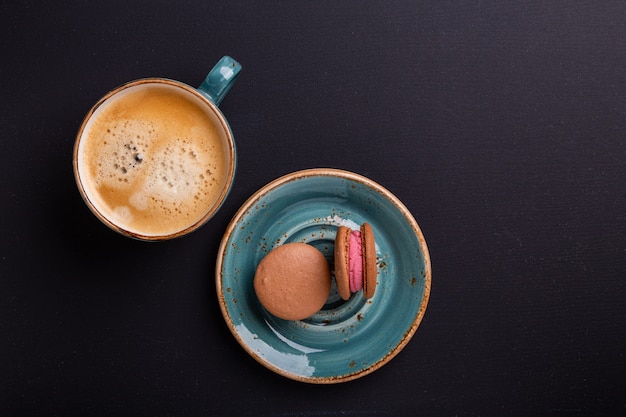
154, 159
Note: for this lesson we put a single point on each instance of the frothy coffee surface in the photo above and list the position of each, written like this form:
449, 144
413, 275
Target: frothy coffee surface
154, 159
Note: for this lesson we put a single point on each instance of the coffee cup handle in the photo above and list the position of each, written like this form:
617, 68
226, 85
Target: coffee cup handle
220, 79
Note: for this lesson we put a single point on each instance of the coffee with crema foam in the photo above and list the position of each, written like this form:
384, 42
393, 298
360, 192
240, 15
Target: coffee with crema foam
154, 159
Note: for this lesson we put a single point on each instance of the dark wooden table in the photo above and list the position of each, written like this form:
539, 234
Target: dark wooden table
500, 125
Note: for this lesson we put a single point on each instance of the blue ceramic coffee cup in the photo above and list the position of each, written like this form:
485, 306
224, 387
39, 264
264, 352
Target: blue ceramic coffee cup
155, 158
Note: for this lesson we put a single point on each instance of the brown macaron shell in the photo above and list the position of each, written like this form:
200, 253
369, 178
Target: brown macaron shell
370, 269
293, 281
342, 261
342, 269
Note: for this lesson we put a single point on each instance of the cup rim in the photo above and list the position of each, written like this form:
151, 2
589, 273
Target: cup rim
229, 177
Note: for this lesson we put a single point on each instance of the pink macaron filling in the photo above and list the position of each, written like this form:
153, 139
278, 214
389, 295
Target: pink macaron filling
355, 261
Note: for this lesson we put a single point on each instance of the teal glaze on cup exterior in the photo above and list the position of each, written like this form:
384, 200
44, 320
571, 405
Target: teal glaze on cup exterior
220, 79
216, 84
346, 339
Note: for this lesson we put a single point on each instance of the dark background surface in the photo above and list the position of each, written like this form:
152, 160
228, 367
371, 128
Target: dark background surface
500, 124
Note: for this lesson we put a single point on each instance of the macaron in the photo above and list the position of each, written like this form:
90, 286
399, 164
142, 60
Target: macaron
355, 261
293, 281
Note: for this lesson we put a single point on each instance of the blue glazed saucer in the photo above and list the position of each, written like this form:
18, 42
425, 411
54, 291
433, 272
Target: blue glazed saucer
346, 339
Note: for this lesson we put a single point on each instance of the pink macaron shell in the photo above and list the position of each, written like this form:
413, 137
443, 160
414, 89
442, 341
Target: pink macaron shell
355, 262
